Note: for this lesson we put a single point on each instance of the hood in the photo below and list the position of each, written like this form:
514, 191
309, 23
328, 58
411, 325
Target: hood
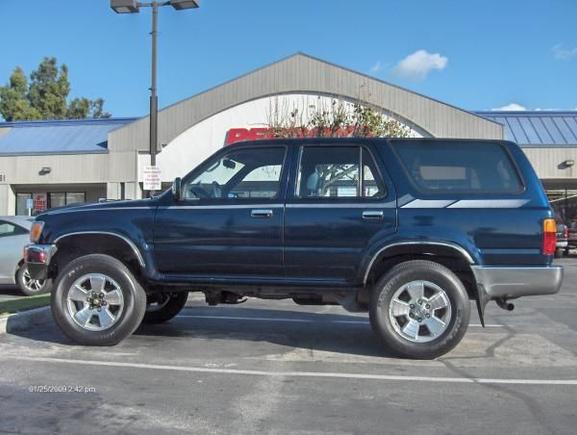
150, 202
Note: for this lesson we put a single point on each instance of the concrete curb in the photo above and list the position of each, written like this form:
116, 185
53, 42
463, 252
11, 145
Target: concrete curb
24, 320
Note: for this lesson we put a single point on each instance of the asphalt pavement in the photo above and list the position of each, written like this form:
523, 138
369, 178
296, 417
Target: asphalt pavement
275, 367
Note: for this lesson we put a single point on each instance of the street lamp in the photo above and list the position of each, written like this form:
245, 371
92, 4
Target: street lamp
131, 7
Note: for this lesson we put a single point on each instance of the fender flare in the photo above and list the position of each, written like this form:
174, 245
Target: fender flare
125, 239
463, 253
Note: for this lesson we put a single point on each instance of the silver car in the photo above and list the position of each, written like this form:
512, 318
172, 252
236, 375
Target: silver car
14, 233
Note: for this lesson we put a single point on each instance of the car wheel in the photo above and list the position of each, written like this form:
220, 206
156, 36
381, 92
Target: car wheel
30, 286
96, 301
420, 309
161, 307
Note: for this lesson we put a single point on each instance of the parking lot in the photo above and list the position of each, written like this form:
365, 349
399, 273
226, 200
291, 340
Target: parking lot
274, 367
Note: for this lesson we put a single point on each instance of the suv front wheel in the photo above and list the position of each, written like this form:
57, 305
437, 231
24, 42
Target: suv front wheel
96, 301
420, 309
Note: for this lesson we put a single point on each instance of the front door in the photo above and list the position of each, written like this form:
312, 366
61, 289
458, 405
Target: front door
229, 221
339, 205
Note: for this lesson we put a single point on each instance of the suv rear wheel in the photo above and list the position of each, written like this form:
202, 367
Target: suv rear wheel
420, 309
161, 307
97, 301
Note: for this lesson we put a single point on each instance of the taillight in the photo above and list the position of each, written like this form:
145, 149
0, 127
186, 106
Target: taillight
549, 237
566, 233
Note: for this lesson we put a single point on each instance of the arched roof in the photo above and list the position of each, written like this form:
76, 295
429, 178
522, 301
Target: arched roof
301, 73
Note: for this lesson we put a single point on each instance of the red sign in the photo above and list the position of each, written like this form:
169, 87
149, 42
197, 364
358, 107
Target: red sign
40, 202
235, 135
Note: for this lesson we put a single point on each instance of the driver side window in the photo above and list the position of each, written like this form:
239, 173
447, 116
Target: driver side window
239, 174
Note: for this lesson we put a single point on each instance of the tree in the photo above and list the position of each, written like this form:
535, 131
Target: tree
46, 96
336, 119
14, 103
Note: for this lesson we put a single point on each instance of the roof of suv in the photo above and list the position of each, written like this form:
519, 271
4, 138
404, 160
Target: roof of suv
332, 140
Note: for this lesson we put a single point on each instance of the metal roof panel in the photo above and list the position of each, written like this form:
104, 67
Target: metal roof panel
537, 128
65, 136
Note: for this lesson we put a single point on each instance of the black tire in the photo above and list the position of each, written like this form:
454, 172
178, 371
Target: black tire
395, 279
166, 309
129, 318
23, 282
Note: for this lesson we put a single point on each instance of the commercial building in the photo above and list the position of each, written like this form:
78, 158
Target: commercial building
54, 163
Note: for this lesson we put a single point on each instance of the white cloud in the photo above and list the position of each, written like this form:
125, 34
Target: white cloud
511, 107
418, 65
378, 66
564, 53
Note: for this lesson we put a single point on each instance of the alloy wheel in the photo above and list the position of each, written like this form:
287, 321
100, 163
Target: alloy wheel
31, 284
95, 302
420, 311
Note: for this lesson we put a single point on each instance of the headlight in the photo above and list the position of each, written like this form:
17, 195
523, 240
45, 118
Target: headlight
36, 231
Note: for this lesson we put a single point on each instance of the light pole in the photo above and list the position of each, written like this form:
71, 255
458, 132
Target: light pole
131, 7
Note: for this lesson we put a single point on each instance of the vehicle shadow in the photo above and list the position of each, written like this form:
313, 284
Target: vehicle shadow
9, 290
316, 332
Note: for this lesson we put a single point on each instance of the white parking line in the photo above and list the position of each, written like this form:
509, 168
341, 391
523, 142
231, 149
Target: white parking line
288, 319
303, 374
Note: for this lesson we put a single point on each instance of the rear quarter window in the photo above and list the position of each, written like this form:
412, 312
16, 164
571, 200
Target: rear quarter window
463, 167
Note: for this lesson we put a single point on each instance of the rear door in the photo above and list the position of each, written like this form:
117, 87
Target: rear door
338, 205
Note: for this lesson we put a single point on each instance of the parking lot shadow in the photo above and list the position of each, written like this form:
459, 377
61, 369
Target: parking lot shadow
326, 332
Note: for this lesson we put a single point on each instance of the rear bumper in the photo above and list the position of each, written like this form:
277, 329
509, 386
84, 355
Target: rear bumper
37, 258
514, 282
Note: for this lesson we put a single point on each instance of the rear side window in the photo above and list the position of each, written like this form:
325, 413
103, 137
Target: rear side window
338, 172
468, 167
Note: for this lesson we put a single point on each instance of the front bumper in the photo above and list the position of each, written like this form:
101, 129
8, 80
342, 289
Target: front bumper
37, 258
514, 282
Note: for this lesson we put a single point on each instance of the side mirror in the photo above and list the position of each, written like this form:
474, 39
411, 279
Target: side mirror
177, 189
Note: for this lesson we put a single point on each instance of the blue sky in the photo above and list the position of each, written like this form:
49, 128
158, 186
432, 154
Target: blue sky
475, 54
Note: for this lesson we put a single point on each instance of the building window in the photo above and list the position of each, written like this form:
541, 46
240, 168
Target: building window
21, 203
43, 201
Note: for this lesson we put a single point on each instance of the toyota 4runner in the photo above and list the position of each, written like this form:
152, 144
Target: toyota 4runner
409, 230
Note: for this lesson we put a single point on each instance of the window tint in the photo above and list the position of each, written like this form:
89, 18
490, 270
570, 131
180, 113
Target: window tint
373, 186
459, 166
7, 229
333, 172
240, 174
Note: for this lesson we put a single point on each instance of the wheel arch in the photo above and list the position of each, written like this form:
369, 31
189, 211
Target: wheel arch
453, 256
75, 244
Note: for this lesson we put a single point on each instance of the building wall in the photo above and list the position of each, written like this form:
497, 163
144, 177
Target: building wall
546, 162
201, 140
303, 74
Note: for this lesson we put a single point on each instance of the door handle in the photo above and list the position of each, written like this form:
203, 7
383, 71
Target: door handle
373, 215
260, 213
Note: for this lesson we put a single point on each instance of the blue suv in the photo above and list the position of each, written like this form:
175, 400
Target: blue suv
408, 230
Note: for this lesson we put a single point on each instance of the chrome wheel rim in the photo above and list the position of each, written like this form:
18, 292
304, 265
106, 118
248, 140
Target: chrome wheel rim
95, 302
32, 285
420, 311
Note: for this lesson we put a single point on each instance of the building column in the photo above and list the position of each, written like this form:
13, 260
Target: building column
133, 190
113, 191
7, 200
